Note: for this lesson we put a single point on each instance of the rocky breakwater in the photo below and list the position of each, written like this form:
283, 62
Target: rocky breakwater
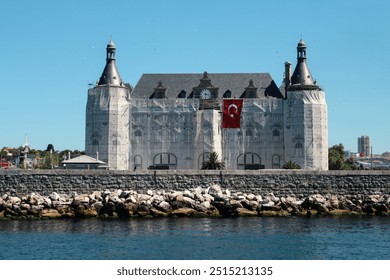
197, 202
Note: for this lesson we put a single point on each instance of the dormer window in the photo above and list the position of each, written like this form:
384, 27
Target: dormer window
227, 94
250, 91
159, 91
182, 94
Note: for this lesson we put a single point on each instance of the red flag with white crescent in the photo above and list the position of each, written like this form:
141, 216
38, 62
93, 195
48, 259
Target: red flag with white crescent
231, 116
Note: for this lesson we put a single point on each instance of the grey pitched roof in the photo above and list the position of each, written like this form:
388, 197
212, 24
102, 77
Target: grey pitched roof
176, 83
83, 159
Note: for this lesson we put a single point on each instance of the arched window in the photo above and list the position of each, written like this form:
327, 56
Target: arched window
276, 135
164, 161
299, 149
137, 162
138, 135
187, 135
207, 136
239, 136
250, 161
157, 135
276, 161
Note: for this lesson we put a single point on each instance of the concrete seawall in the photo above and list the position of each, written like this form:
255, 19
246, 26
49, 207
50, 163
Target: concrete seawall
298, 183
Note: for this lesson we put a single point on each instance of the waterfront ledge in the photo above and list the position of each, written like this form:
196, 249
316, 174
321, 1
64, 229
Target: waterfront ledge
109, 194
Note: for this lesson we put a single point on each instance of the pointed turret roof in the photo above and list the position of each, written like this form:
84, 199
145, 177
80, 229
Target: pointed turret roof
302, 78
110, 75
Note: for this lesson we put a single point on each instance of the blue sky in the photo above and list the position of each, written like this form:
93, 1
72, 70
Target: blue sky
51, 51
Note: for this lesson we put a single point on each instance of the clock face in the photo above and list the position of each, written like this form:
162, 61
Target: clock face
205, 94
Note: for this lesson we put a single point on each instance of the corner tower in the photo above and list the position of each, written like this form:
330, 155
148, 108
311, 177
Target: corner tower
107, 116
305, 117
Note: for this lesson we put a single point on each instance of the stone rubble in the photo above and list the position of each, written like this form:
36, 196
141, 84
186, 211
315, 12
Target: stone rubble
213, 201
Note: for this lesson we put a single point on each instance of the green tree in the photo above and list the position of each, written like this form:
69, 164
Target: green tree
213, 163
49, 160
291, 165
337, 161
3, 153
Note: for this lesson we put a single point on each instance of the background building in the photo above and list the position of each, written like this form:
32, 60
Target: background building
174, 121
364, 146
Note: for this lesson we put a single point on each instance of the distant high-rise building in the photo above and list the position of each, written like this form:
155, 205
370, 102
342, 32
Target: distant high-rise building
364, 146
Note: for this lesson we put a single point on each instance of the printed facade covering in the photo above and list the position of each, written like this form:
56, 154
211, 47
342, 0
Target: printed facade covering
174, 121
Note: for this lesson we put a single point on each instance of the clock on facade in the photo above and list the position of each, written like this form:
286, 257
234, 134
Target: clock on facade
205, 94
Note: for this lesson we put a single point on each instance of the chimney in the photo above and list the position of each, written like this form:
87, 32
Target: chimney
287, 77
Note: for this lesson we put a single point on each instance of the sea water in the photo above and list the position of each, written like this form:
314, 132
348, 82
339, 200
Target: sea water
279, 238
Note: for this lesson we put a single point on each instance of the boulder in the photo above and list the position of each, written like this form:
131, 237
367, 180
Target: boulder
172, 196
54, 196
183, 212
208, 197
14, 200
317, 198
250, 205
90, 212
157, 199
25, 206
80, 199
183, 202
235, 203
199, 197
206, 204
221, 197
108, 208
150, 192
143, 210
334, 201
124, 210
271, 197
131, 199
215, 190
96, 196
157, 213
198, 190
187, 193
143, 197
258, 198
47, 202
50, 213
164, 206
243, 212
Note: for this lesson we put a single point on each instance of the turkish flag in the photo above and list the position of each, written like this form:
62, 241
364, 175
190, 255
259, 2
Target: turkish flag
231, 113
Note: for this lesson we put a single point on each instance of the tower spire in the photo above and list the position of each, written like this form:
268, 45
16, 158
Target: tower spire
110, 75
302, 78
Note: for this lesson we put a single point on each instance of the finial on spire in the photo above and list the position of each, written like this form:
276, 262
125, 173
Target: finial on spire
25, 141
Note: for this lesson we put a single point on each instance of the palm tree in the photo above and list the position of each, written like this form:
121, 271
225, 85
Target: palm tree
213, 163
291, 165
